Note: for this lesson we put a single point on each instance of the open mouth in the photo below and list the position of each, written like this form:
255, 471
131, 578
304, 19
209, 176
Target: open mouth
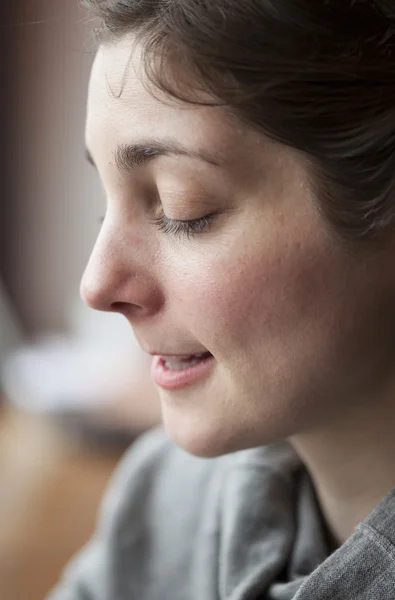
174, 372
177, 363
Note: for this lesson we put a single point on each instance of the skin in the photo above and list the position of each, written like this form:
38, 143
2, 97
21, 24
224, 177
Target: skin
301, 329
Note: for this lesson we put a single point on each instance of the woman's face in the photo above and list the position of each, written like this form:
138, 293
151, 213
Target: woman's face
296, 326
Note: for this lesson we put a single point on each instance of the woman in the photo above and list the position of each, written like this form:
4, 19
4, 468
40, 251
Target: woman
247, 151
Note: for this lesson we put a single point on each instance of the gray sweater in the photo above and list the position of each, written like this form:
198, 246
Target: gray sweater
245, 526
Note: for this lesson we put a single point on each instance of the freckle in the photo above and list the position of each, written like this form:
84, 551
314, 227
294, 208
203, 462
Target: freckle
281, 218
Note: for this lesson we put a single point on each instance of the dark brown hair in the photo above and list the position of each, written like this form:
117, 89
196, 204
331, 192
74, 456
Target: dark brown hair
316, 75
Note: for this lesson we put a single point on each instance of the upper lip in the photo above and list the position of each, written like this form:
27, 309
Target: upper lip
184, 355
167, 352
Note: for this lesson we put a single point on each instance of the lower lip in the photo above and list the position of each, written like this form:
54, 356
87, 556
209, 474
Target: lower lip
173, 380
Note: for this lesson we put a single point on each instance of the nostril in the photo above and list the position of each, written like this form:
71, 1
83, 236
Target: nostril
128, 309
120, 307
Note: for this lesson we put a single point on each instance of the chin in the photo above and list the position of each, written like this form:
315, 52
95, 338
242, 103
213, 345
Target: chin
202, 436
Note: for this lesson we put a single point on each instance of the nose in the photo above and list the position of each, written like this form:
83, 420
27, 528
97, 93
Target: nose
119, 278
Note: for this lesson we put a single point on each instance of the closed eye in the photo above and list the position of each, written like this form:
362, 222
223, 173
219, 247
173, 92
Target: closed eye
183, 228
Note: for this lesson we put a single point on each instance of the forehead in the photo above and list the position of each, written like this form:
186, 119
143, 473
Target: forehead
122, 108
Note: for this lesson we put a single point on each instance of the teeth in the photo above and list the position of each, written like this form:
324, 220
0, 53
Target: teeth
178, 364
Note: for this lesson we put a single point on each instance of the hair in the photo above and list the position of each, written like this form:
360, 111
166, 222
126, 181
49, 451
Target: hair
318, 76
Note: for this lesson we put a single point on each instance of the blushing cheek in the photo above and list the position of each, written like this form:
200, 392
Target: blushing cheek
199, 297
227, 298
249, 299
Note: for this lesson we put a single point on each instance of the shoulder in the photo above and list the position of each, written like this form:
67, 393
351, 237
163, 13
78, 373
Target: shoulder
161, 498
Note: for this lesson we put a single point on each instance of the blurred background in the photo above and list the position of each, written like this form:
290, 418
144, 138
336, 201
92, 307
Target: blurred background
75, 390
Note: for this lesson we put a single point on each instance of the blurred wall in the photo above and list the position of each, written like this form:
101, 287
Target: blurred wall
6, 70
54, 198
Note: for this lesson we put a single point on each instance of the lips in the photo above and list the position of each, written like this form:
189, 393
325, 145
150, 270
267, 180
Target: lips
178, 363
180, 356
173, 372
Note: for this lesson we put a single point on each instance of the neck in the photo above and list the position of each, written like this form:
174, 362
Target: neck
352, 465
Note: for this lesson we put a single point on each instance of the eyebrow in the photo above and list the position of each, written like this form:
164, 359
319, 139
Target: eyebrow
130, 156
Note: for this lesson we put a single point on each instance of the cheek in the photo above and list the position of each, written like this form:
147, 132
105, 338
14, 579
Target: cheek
242, 297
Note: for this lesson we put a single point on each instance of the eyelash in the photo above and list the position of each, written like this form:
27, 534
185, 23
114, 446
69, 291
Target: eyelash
183, 228
180, 228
